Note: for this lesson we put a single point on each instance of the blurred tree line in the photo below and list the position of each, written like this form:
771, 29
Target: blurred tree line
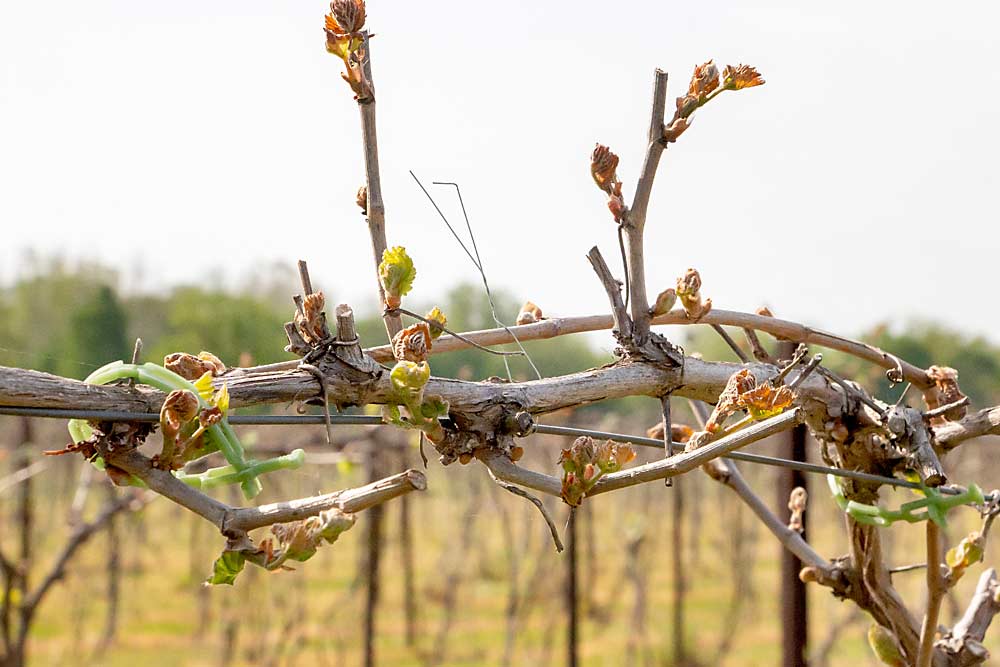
70, 320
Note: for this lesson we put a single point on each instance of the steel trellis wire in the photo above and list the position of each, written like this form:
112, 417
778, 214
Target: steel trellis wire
544, 429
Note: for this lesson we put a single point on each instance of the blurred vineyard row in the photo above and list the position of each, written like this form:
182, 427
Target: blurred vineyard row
485, 586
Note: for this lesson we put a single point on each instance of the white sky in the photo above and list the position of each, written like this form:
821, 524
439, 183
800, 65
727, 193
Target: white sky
857, 186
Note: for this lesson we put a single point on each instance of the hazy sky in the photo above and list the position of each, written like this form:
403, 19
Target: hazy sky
857, 186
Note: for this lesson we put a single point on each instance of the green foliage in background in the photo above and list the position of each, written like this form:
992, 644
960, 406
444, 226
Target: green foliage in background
70, 321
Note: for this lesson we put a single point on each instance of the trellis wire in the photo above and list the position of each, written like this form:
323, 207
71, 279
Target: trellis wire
478, 263
544, 429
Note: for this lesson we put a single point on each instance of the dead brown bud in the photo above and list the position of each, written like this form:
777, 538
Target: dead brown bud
944, 392
412, 343
191, 367
311, 322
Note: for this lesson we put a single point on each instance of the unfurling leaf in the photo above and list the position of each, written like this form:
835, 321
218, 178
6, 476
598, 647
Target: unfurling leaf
689, 291
884, 646
968, 552
765, 401
665, 300
221, 399
191, 367
204, 386
408, 376
944, 392
603, 168
439, 322
412, 343
612, 456
530, 313
704, 80
339, 45
434, 407
743, 393
346, 16
226, 568
396, 273
741, 76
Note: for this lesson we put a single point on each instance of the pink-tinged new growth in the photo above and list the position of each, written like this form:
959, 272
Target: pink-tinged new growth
438, 322
346, 16
741, 76
603, 169
689, 291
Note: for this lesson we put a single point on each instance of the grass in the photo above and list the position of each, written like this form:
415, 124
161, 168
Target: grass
312, 616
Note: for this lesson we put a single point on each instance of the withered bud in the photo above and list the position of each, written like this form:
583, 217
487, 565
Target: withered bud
704, 80
741, 76
603, 166
464, 458
412, 343
738, 384
944, 392
191, 367
209, 417
516, 453
530, 313
311, 323
764, 311
180, 407
362, 199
